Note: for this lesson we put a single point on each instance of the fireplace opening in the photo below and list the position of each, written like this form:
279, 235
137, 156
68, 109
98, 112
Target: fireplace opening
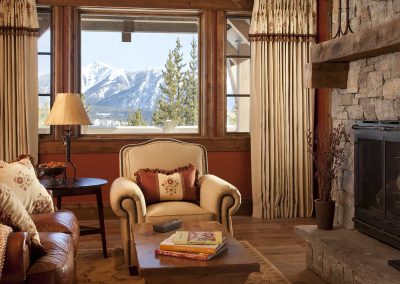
377, 180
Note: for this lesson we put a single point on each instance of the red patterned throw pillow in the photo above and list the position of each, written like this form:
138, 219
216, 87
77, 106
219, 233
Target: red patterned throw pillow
169, 185
20, 177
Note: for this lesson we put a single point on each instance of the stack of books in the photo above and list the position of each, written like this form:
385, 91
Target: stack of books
193, 245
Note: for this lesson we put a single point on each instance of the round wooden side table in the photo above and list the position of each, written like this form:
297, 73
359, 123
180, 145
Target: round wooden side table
82, 186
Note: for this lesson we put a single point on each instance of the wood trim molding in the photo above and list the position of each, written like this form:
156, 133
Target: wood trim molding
233, 5
100, 145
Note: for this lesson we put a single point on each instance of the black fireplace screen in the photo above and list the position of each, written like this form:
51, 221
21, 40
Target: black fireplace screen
377, 180
392, 179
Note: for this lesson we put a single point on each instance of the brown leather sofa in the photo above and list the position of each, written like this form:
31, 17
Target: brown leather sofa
59, 235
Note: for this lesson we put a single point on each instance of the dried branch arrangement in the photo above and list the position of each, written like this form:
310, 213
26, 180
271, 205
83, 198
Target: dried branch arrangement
328, 154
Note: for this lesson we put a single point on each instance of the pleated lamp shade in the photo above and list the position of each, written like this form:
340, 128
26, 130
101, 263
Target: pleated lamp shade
68, 109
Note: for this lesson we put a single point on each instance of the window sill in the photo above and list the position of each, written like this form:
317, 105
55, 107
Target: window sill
86, 145
98, 130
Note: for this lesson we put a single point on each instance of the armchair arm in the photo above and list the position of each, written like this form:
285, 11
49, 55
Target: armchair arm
16, 261
219, 197
127, 199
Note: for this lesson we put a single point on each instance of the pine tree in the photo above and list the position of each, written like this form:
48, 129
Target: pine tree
191, 87
232, 115
136, 119
43, 113
169, 105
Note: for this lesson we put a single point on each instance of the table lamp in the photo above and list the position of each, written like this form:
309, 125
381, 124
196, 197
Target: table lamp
68, 110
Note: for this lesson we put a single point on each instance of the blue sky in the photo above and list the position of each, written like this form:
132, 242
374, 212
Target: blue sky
147, 50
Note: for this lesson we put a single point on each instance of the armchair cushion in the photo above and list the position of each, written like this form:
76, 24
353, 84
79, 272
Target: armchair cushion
185, 211
168, 185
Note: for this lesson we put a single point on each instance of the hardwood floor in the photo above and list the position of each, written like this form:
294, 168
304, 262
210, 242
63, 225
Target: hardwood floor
275, 239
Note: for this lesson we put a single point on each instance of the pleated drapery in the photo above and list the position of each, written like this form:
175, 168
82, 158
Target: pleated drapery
18, 79
282, 108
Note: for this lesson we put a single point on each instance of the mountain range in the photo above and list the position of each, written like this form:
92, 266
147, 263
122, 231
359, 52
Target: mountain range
111, 94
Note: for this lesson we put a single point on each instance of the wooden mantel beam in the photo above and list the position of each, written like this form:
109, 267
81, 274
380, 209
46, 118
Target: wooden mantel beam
329, 65
326, 75
375, 41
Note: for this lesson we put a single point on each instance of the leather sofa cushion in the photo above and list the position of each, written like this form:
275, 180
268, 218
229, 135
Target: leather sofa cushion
17, 258
177, 210
57, 266
61, 221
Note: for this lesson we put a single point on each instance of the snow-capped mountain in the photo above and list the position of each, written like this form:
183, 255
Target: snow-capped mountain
44, 84
113, 93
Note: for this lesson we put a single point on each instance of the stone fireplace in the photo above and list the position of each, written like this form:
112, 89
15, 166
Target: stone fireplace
372, 93
377, 180
363, 71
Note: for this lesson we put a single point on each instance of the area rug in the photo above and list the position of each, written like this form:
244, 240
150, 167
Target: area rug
93, 268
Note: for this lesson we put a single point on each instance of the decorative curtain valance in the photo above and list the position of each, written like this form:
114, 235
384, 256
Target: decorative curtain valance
18, 17
283, 20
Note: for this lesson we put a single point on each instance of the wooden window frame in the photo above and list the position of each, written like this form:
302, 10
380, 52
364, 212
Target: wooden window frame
48, 10
202, 95
66, 78
226, 95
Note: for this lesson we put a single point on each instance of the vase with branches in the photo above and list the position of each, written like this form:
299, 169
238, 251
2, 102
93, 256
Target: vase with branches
327, 148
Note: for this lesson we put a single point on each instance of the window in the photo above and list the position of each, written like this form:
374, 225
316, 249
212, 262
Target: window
139, 74
237, 74
44, 69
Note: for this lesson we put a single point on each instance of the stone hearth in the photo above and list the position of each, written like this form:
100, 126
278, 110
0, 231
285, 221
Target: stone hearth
346, 256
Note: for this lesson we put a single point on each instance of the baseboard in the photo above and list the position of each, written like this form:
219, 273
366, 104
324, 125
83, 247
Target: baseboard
88, 211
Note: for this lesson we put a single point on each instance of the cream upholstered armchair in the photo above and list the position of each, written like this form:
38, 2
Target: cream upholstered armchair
219, 200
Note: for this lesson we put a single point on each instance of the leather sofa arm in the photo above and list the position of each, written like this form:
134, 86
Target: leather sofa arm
219, 197
127, 198
16, 262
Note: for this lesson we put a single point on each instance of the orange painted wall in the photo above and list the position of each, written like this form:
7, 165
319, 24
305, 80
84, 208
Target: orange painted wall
231, 166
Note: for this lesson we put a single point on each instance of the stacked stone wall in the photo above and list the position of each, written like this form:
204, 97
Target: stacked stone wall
373, 93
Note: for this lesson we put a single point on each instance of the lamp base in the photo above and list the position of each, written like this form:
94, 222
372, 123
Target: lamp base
67, 142
65, 172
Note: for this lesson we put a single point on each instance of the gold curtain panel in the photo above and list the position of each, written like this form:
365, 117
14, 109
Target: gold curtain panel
18, 79
282, 108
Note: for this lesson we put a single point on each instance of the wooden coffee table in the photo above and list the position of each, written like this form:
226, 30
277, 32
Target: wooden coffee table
232, 266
